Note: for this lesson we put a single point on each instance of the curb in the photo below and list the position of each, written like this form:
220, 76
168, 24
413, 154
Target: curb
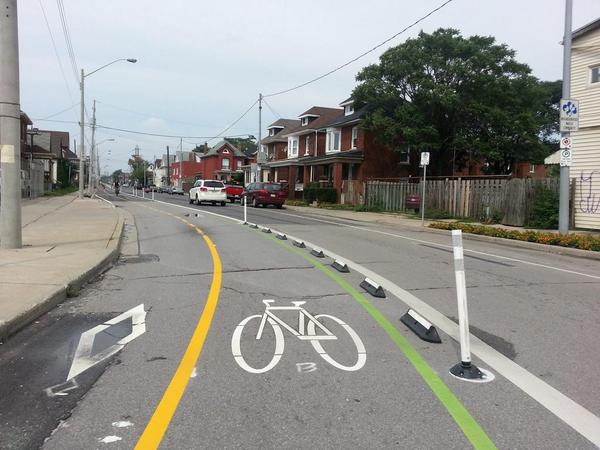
554, 249
61, 294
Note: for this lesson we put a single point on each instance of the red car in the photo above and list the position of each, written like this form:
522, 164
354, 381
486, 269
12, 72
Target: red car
265, 194
234, 192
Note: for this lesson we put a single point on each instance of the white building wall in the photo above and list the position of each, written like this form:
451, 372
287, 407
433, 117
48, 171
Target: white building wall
585, 169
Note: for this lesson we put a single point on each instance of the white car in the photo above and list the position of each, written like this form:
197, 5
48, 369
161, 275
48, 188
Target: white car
212, 191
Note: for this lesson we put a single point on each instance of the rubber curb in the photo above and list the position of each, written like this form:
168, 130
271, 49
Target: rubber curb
554, 249
12, 326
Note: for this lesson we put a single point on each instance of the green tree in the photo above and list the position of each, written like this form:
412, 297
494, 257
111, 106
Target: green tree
459, 98
138, 165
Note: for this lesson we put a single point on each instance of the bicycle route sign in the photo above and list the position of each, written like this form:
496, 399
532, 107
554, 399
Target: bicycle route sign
310, 328
569, 115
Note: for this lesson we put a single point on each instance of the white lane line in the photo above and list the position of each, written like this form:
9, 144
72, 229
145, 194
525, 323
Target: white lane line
572, 413
122, 424
399, 236
110, 439
422, 241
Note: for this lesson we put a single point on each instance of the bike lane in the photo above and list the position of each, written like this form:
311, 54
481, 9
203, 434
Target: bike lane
306, 401
325, 393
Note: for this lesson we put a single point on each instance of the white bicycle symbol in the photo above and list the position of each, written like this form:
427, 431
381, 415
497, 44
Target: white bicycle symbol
311, 335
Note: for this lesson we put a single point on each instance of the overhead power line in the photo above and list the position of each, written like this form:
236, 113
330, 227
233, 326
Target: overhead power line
278, 116
60, 112
67, 35
62, 70
236, 121
416, 22
143, 133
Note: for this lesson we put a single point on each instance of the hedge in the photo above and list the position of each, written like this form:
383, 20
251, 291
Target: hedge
580, 241
322, 195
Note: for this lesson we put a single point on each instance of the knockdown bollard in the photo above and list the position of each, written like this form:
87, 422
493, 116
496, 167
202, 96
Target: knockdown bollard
464, 369
152, 194
245, 211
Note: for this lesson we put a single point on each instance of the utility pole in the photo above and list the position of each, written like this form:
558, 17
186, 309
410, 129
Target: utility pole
10, 127
563, 202
260, 158
168, 168
92, 153
81, 137
180, 163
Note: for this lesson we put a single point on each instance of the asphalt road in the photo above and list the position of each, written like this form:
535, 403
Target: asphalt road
202, 279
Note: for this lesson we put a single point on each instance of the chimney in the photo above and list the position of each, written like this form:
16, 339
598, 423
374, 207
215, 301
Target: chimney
205, 147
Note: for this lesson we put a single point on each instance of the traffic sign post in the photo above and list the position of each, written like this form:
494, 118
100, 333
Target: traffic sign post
424, 164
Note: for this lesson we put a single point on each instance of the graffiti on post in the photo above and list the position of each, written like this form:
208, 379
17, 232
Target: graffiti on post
589, 201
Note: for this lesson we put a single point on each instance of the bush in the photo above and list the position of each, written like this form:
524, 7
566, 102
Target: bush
321, 195
582, 242
544, 211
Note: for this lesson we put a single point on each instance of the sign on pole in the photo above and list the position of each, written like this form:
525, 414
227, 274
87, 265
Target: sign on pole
565, 157
569, 115
425, 159
566, 142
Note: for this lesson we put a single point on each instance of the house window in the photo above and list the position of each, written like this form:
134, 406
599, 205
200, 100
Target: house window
531, 168
225, 164
333, 140
271, 132
225, 151
307, 145
354, 137
238, 164
304, 121
292, 147
404, 152
348, 109
595, 75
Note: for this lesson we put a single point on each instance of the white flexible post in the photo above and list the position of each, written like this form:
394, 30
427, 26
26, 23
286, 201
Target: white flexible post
152, 194
143, 193
245, 209
461, 297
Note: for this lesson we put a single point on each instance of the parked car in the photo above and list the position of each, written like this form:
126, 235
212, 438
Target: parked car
265, 194
163, 189
234, 192
174, 190
212, 191
412, 201
147, 189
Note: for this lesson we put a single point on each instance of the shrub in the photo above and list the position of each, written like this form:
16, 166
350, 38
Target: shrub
582, 242
321, 195
544, 211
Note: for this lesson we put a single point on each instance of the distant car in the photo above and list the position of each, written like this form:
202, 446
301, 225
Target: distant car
175, 190
163, 189
234, 192
147, 189
212, 191
265, 194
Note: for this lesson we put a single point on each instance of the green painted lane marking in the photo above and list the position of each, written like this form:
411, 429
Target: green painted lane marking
469, 426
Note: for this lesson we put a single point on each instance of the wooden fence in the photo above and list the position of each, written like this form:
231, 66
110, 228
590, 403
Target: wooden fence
475, 198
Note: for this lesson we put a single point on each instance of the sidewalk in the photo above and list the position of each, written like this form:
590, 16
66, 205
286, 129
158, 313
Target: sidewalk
403, 222
66, 242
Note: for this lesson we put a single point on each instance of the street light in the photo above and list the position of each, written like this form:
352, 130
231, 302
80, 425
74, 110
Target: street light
82, 119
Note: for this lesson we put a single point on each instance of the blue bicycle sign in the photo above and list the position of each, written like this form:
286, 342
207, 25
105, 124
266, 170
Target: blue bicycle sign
570, 109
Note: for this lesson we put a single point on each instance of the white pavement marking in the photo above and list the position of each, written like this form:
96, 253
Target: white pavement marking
194, 373
110, 439
306, 367
83, 358
573, 414
122, 424
62, 388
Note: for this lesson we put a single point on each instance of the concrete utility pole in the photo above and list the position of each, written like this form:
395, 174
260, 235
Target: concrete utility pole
81, 137
93, 151
181, 163
260, 158
10, 127
565, 181
168, 168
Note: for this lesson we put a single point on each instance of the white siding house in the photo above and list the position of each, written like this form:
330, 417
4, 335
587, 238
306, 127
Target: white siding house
585, 87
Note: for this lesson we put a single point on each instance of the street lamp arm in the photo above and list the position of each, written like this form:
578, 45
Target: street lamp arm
131, 60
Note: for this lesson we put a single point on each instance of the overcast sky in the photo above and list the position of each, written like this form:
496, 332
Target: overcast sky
201, 64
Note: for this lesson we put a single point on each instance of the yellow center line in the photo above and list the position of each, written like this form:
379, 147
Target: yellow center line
163, 414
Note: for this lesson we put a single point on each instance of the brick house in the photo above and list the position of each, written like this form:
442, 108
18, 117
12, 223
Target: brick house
220, 162
330, 147
276, 147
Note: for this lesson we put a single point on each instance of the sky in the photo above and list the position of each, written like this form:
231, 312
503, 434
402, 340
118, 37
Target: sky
202, 64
